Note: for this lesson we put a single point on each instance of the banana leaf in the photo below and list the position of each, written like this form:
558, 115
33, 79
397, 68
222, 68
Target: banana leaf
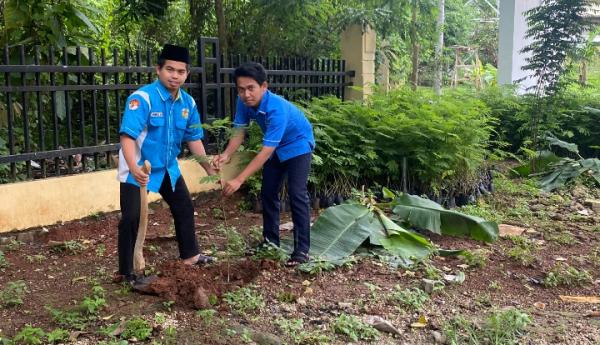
429, 215
340, 230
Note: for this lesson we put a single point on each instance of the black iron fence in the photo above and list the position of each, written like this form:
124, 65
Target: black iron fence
60, 110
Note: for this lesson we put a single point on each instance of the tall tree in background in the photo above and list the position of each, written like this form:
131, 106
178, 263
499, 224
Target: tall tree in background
414, 75
439, 46
556, 28
222, 26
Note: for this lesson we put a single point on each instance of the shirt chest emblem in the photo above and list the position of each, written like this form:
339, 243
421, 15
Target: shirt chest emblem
134, 104
185, 113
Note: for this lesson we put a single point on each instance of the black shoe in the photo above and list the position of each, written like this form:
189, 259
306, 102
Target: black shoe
204, 260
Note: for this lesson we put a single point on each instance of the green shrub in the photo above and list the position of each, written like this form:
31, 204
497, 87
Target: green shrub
444, 140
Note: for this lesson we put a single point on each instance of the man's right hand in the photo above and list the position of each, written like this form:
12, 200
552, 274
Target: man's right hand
140, 176
219, 160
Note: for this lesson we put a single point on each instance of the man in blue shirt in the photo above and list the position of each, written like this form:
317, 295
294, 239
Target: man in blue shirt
287, 148
158, 118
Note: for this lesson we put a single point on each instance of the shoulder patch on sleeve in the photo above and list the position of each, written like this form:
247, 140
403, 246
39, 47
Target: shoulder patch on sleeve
145, 96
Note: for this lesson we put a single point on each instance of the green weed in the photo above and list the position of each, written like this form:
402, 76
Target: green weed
244, 300
413, 298
30, 335
207, 315
295, 330
500, 328
4, 263
13, 245
523, 251
100, 250
72, 247
354, 328
38, 258
137, 328
58, 335
13, 293
563, 274
475, 258
563, 237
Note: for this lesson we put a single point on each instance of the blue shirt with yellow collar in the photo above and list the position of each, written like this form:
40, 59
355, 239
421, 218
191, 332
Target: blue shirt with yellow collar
284, 125
158, 124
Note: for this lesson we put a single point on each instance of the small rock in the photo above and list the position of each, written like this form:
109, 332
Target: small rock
510, 230
286, 226
427, 285
26, 236
301, 301
381, 324
345, 305
536, 207
557, 216
594, 204
201, 300
438, 338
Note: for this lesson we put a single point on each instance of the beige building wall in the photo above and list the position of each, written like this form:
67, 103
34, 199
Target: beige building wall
59, 199
358, 49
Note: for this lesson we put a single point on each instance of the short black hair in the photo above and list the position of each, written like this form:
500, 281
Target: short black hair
161, 63
252, 70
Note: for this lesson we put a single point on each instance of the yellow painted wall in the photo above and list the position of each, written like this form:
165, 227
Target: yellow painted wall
59, 199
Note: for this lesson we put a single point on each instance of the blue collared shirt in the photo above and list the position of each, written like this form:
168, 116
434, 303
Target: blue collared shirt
158, 124
284, 126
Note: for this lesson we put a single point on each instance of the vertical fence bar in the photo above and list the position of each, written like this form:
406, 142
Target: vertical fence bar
11, 117
148, 64
54, 112
117, 99
202, 62
343, 78
68, 111
25, 111
82, 139
94, 108
105, 105
41, 134
138, 63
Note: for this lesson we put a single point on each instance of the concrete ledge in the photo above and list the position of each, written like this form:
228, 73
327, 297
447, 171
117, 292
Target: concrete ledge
36, 203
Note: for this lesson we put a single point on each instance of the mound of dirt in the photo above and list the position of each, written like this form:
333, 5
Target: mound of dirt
194, 286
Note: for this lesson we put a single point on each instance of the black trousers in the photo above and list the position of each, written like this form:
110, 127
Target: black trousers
182, 209
297, 170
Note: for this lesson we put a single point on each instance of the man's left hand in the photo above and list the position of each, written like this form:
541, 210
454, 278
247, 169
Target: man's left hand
231, 186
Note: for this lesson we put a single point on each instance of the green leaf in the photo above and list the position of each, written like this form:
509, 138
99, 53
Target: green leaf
426, 214
340, 230
554, 141
210, 179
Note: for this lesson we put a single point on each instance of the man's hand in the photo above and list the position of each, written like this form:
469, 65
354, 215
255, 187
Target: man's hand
210, 171
231, 186
219, 160
141, 177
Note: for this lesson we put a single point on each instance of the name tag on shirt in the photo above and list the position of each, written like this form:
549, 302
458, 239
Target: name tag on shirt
156, 114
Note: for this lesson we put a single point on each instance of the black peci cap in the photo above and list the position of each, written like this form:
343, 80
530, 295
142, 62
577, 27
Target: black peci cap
175, 53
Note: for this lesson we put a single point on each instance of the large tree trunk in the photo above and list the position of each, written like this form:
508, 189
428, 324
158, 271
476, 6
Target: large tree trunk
414, 75
437, 81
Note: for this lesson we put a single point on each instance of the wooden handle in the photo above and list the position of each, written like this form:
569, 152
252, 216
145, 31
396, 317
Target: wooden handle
138, 252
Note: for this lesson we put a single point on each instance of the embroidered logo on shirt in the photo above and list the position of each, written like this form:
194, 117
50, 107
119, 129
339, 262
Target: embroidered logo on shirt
156, 114
134, 104
185, 112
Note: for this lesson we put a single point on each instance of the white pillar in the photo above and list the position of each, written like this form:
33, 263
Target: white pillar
513, 27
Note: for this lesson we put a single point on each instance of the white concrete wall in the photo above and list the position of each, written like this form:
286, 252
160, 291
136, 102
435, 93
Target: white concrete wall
513, 26
42, 202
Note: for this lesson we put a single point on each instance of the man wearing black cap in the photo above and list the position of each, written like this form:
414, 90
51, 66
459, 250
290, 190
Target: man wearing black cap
158, 118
